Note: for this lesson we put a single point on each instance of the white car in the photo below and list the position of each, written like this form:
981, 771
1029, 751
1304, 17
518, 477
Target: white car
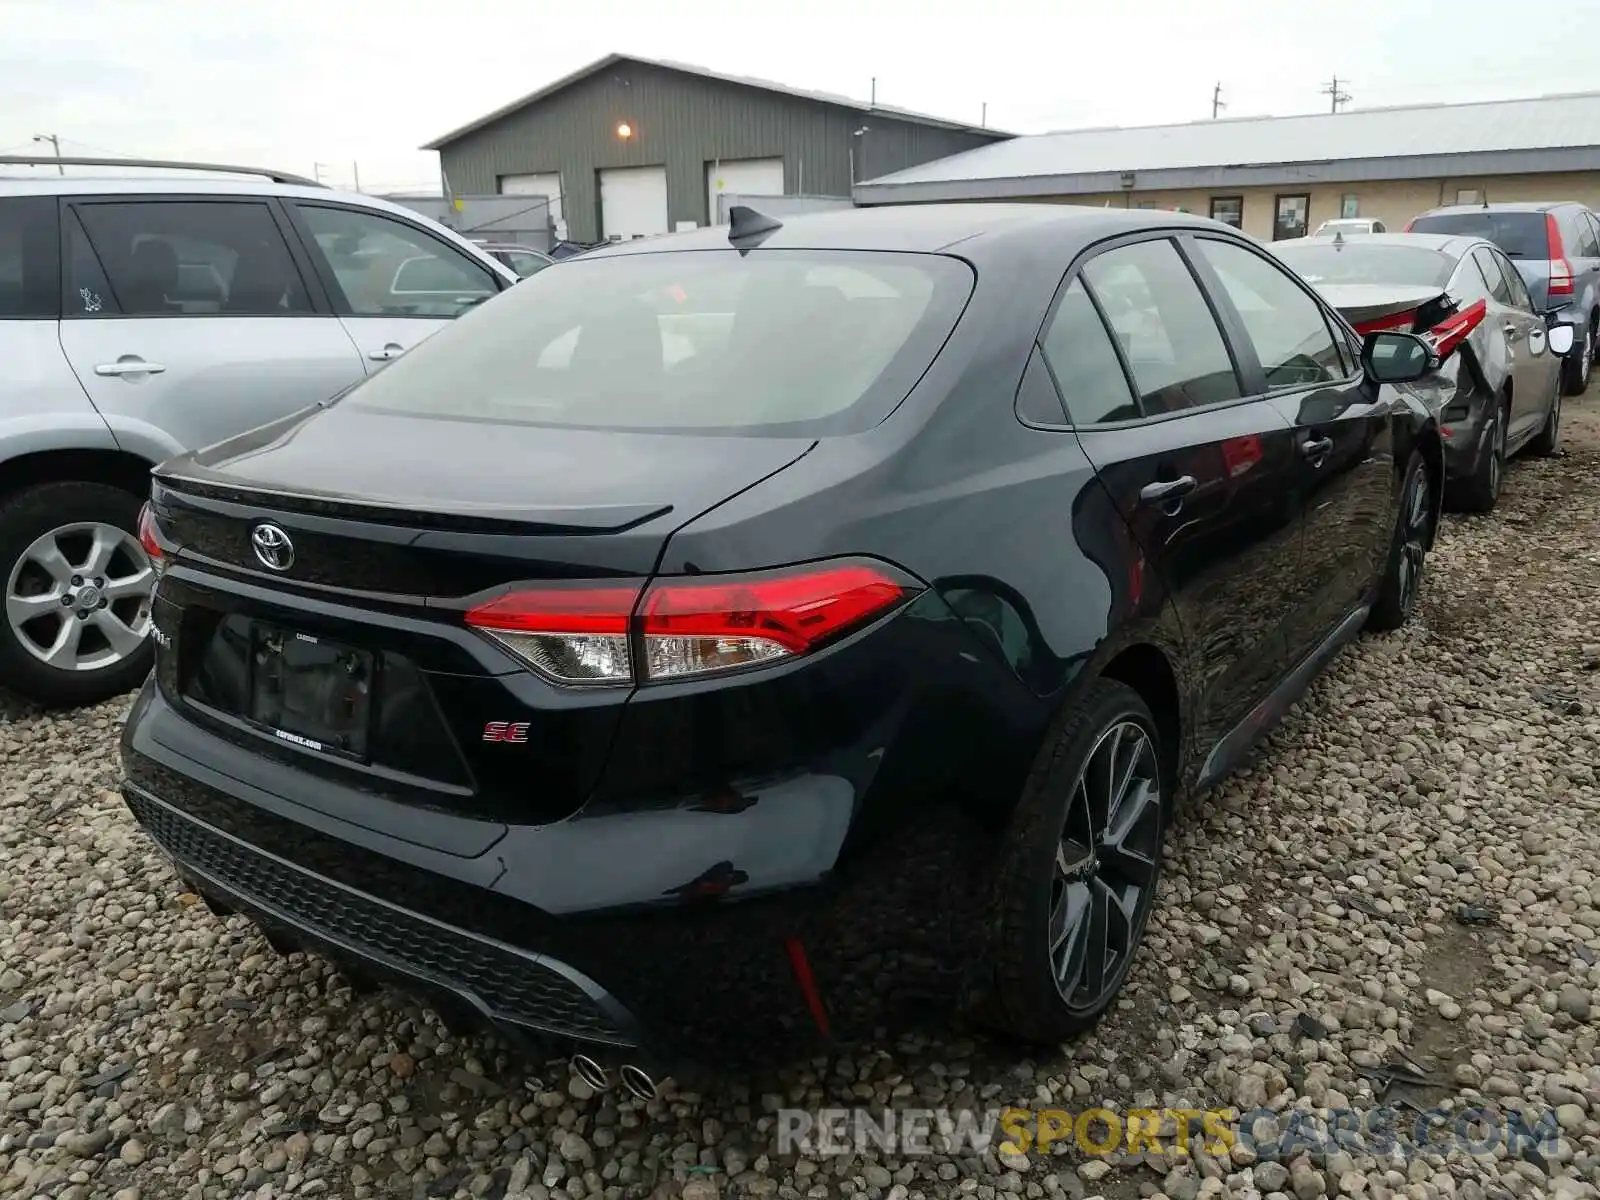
143, 317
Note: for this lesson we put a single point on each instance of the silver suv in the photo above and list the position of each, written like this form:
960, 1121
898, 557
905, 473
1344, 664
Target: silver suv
144, 317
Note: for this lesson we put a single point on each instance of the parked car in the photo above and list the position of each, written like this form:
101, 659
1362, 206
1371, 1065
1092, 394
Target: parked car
1502, 391
1556, 249
1345, 226
524, 260
144, 317
850, 664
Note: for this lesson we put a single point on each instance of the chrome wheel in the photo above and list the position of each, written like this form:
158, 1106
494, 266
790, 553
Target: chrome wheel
1106, 866
78, 599
1414, 518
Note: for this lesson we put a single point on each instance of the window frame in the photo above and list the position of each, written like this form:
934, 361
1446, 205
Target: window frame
68, 207
1521, 297
1237, 198
1169, 233
47, 204
338, 302
1236, 329
1277, 201
1594, 224
1494, 256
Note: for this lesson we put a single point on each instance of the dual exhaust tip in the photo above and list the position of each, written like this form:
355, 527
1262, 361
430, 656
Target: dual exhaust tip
635, 1080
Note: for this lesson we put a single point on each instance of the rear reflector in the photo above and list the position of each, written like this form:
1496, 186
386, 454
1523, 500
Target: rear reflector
1560, 268
147, 539
688, 626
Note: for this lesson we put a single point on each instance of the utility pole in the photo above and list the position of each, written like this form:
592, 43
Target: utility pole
55, 142
355, 169
874, 101
983, 121
1338, 97
1217, 103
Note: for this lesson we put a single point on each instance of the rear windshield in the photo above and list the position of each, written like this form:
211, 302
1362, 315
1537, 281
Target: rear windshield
1363, 262
779, 342
1519, 234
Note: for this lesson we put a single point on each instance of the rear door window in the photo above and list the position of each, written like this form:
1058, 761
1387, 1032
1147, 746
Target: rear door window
187, 258
1493, 276
1164, 326
1519, 234
1515, 286
30, 269
1587, 246
1084, 361
784, 342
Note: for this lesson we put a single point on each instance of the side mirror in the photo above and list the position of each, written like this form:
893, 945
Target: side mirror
1562, 337
1396, 357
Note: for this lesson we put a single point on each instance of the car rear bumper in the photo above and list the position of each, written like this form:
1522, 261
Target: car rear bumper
559, 936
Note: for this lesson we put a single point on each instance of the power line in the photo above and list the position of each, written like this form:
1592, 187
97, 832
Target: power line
1339, 97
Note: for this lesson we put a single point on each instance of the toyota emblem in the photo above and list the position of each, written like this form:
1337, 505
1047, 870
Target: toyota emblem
272, 547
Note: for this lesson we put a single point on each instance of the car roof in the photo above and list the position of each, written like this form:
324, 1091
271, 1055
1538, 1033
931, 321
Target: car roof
927, 228
184, 185
1453, 245
1529, 206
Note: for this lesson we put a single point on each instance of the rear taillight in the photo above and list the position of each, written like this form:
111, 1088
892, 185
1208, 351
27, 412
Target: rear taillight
1560, 268
1397, 323
689, 626
1453, 330
147, 538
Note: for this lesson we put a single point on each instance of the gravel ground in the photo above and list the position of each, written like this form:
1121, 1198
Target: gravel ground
1413, 862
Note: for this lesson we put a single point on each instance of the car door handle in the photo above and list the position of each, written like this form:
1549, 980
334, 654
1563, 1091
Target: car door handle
1316, 447
391, 351
1168, 490
1512, 332
134, 366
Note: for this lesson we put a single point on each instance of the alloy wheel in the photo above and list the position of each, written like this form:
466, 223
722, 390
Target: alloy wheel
1414, 519
1106, 865
78, 598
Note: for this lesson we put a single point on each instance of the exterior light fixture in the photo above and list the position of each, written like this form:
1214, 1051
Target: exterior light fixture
624, 130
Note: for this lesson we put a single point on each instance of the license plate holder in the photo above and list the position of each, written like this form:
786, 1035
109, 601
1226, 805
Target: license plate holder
310, 692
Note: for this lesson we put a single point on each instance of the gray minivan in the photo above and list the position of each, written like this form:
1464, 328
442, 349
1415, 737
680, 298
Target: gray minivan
1556, 249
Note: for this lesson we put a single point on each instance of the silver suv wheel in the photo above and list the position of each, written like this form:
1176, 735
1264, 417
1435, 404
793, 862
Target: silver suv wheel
78, 598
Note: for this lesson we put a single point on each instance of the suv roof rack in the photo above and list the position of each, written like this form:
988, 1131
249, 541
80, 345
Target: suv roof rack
45, 160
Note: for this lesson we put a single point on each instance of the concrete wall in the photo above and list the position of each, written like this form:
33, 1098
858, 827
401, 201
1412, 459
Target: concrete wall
1393, 202
685, 122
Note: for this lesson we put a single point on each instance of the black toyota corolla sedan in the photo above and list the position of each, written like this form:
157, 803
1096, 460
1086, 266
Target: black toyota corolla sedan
744, 642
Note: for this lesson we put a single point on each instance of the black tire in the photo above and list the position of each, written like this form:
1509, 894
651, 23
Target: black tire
1401, 582
1577, 366
1479, 492
1547, 441
1028, 1003
24, 517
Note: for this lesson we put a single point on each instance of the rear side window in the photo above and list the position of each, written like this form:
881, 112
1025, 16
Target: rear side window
1519, 234
1586, 245
784, 342
1085, 364
30, 271
189, 258
1285, 325
385, 267
1499, 288
1164, 326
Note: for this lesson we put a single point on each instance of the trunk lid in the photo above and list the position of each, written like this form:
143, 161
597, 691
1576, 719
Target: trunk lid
353, 661
408, 507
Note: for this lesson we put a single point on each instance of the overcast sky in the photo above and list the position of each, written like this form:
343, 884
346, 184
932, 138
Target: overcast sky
316, 85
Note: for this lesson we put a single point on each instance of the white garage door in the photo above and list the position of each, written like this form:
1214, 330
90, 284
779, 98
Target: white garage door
548, 186
741, 177
633, 202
